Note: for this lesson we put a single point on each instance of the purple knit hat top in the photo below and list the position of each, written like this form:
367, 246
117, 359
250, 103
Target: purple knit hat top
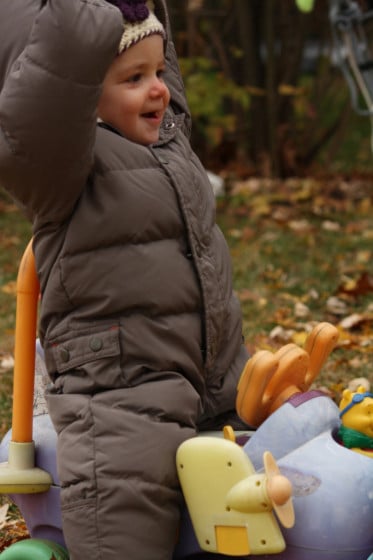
132, 10
139, 21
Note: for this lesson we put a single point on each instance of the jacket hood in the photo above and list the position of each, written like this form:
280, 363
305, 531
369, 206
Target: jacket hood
16, 19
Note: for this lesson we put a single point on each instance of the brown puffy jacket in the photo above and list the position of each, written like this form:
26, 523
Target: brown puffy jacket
140, 327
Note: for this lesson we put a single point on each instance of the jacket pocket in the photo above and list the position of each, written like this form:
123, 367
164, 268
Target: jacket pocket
86, 363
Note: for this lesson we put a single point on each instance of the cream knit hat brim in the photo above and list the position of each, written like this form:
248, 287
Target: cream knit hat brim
138, 30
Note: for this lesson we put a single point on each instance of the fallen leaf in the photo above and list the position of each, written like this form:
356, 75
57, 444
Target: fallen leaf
301, 310
280, 334
3, 513
299, 338
300, 226
7, 362
10, 288
328, 225
351, 321
336, 306
362, 286
358, 382
363, 256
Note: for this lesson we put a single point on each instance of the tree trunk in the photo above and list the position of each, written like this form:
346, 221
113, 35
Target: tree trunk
248, 17
271, 86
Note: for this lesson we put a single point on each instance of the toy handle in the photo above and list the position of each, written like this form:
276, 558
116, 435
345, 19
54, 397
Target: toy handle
269, 380
319, 344
24, 350
289, 377
254, 379
299, 368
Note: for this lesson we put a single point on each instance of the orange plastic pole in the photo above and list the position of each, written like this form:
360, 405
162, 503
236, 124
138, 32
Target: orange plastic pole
24, 351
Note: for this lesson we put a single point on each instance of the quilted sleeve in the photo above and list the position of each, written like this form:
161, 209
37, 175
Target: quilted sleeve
48, 102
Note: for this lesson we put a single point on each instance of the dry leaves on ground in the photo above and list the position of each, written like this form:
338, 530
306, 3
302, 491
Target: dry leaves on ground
12, 527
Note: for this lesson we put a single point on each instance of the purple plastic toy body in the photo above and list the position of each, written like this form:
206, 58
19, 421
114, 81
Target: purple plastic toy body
41, 512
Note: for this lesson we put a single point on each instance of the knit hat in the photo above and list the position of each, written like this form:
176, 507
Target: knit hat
139, 22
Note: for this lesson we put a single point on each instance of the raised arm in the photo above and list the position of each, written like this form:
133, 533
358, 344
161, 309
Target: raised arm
52, 63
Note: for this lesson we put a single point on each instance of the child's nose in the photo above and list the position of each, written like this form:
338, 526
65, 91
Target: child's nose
159, 88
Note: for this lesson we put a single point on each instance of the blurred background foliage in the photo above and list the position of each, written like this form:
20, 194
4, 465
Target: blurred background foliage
265, 92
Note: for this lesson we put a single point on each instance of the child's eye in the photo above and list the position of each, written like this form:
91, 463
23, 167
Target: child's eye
134, 78
160, 73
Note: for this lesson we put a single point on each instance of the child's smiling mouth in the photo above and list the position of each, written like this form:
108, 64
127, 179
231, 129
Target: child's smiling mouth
153, 116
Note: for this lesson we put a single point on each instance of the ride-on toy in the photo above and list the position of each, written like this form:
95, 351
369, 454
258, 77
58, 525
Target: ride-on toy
324, 451
229, 503
235, 494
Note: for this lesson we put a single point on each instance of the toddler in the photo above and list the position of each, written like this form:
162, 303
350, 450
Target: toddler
138, 321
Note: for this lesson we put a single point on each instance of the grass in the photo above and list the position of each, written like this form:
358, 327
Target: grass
302, 253
15, 233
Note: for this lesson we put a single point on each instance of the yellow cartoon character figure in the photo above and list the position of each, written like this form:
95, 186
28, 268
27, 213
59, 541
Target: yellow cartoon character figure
356, 431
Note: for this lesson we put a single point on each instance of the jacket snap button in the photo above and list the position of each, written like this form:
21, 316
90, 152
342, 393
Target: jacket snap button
64, 355
163, 160
95, 344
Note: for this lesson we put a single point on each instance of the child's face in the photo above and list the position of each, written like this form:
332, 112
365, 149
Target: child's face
134, 96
